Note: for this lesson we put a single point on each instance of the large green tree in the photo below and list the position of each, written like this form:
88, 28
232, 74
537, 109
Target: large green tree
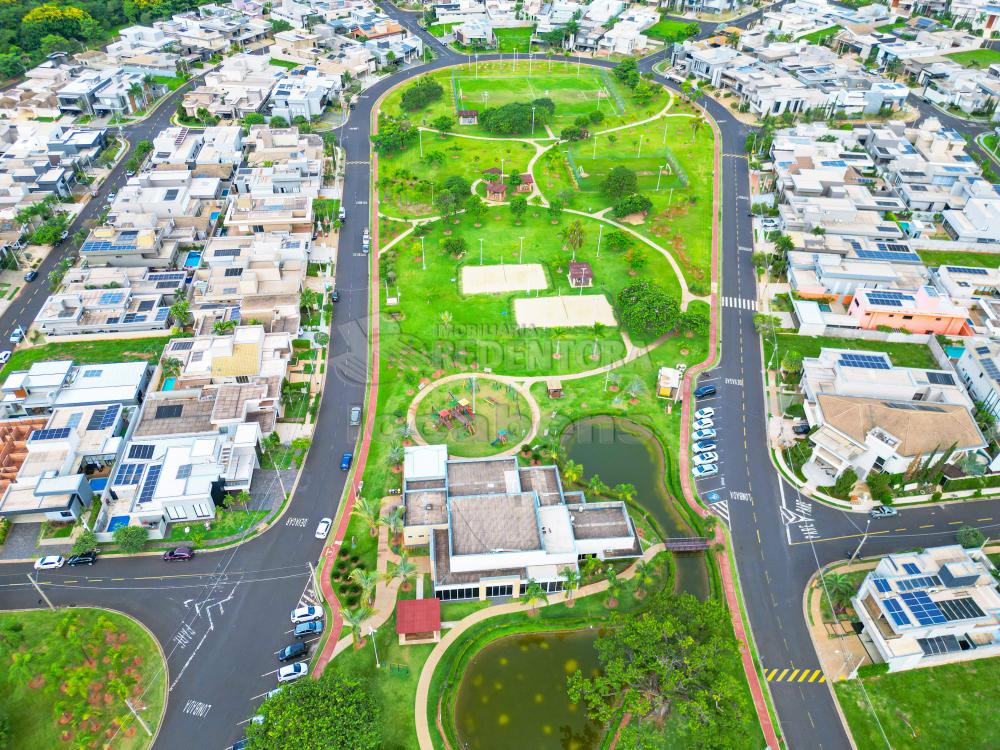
620, 182
334, 713
646, 310
675, 667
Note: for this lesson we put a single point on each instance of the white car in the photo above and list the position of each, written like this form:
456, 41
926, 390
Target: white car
293, 672
703, 446
49, 562
4, 356
700, 435
770, 224
703, 424
707, 413
703, 459
708, 470
324, 528
306, 614
16, 336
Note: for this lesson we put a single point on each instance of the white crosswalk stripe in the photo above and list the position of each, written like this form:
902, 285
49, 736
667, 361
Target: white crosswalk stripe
721, 509
739, 303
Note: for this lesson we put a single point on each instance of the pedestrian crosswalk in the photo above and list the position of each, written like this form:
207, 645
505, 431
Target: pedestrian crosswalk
739, 303
795, 675
721, 509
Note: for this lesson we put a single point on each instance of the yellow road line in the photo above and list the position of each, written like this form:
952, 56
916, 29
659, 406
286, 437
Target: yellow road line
782, 675
985, 519
805, 673
902, 529
954, 523
845, 536
771, 674
117, 579
791, 677
816, 674
95, 580
927, 526
823, 678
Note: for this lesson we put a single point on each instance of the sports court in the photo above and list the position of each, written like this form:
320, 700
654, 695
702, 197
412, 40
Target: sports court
653, 161
497, 279
572, 95
564, 312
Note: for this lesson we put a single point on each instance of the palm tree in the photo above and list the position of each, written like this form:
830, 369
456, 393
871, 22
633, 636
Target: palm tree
533, 595
405, 571
558, 334
596, 485
614, 588
366, 509
571, 582
624, 491
396, 454
696, 124
137, 93
446, 317
355, 618
572, 237
405, 431
840, 588
598, 330
645, 576
394, 523
590, 566
572, 472
366, 580
171, 367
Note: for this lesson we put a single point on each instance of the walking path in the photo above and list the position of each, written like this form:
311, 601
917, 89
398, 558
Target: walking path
427, 672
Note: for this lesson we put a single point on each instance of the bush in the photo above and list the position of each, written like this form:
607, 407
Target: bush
970, 536
420, 94
131, 539
637, 203
86, 541
845, 483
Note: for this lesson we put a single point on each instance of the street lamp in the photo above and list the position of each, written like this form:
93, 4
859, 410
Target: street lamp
864, 538
371, 634
532, 120
480, 251
520, 255
423, 258
600, 233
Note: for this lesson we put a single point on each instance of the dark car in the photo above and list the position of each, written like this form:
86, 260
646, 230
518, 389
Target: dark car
240, 744
305, 629
31, 275
335, 296
84, 558
705, 390
802, 428
178, 553
345, 461
294, 651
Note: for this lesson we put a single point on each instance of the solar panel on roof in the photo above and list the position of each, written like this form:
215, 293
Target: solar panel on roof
920, 582
110, 415
233, 272
112, 320
128, 474
181, 346
92, 373
896, 612
967, 269
227, 252
940, 378
911, 568
865, 361
57, 433
173, 276
925, 610
982, 350
990, 368
111, 298
149, 487
234, 314
184, 471
166, 284
162, 314
168, 411
146, 304
881, 585
960, 609
909, 257
942, 644
140, 451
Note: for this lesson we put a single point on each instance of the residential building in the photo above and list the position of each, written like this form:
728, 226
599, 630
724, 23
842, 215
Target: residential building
924, 311
979, 368
278, 213
88, 311
39, 159
493, 526
107, 92
304, 92
967, 282
241, 85
178, 146
128, 247
183, 206
930, 607
35, 392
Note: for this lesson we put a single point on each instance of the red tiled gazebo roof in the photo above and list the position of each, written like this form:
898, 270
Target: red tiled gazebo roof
418, 616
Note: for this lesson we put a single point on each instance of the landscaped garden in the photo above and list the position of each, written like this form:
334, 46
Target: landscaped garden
67, 674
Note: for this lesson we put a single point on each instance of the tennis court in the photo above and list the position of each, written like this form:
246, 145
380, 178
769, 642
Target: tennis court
572, 95
624, 149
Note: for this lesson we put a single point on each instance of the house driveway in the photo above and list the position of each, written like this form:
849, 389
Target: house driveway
21, 543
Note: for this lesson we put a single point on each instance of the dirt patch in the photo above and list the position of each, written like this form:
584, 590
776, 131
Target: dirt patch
633, 219
138, 355
36, 682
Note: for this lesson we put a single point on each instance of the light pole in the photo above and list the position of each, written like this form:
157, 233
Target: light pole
595, 148
864, 538
532, 119
501, 169
670, 200
530, 58
421, 131
477, 65
520, 255
480, 251
423, 258
600, 233
371, 634
639, 152
659, 174
665, 123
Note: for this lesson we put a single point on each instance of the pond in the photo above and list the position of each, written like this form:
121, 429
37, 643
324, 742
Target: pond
513, 694
621, 451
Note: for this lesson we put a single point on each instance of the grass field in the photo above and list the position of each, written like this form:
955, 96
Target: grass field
669, 30
440, 29
902, 355
284, 63
498, 408
573, 95
938, 707
89, 352
976, 58
816, 37
171, 82
959, 258
515, 39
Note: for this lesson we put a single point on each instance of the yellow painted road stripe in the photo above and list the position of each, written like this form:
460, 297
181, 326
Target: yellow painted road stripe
823, 678
805, 673
72, 580
902, 529
117, 579
791, 677
816, 674
782, 675
845, 536
954, 523
771, 674
985, 519
95, 580
927, 526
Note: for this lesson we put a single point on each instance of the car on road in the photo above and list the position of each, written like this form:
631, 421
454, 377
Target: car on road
703, 424
306, 614
705, 390
703, 459
703, 446
705, 470
345, 461
178, 553
84, 558
49, 562
17, 335
293, 672
703, 435
883, 511
335, 296
355, 416
4, 356
240, 744
31, 276
111, 196
707, 413
64, 235
130, 173
306, 629
293, 651
324, 528
802, 428
342, 215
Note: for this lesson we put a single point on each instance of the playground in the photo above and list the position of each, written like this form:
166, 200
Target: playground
474, 416
574, 311
496, 279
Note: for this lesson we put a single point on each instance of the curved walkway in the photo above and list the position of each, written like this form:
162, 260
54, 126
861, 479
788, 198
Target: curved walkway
424, 684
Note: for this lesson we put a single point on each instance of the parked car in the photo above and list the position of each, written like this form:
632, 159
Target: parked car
16, 336
345, 461
293, 672
703, 459
342, 214
702, 446
883, 511
84, 558
111, 196
355, 416
707, 413
31, 276
705, 390
306, 614
335, 296
306, 629
130, 173
770, 224
706, 470
293, 651
802, 428
703, 435
178, 553
240, 744
324, 528
703, 424
4, 356
49, 562
64, 235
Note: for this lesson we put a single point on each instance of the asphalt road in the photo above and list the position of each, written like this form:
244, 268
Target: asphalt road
222, 617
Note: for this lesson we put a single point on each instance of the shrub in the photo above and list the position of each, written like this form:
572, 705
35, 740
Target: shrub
131, 539
969, 537
420, 94
86, 541
873, 670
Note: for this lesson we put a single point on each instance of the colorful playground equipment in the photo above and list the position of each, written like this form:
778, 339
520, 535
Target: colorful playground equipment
501, 439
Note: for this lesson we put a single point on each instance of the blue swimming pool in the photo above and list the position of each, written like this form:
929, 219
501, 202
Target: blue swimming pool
214, 216
117, 522
168, 383
193, 259
954, 352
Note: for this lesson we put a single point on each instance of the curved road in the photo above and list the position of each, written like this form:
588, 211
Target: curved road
221, 617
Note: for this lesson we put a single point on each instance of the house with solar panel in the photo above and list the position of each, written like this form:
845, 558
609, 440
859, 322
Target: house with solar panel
967, 282
923, 609
182, 206
102, 311
925, 310
979, 369
129, 246
46, 386
67, 463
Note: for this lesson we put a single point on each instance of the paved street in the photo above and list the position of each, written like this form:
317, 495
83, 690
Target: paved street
221, 617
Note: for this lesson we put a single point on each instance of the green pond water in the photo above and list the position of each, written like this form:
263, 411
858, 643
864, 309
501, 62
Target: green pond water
513, 694
620, 451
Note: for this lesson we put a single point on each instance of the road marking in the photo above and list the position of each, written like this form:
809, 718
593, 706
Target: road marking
740, 303
183, 636
735, 381
954, 523
197, 708
980, 520
791, 677
797, 675
267, 674
844, 536
902, 529
782, 675
926, 526
297, 521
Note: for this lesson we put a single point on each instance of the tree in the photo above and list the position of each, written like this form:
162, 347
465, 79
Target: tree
695, 320
366, 581
355, 619
254, 118
572, 471
223, 327
180, 311
614, 588
518, 207
675, 662
840, 588
646, 310
421, 93
791, 361
367, 510
6, 733
572, 133
171, 366
455, 246
393, 135
533, 595
555, 209
405, 570
696, 123
277, 121
241, 500
645, 576
764, 324
627, 71
87, 540
444, 123
279, 24
573, 236
643, 92
878, 485
476, 209
618, 241
571, 582
845, 483
596, 117
596, 485
969, 537
447, 204
624, 491
131, 539
636, 203
620, 182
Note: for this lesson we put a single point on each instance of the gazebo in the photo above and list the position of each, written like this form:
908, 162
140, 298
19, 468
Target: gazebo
418, 621
496, 191
580, 274
527, 183
468, 117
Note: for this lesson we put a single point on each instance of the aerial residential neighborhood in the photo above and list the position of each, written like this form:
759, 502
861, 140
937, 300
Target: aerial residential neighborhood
493, 374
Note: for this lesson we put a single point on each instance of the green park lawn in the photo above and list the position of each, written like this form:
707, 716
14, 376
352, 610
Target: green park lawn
669, 29
90, 352
923, 708
171, 82
817, 37
959, 258
976, 58
50, 646
440, 29
514, 39
284, 63
226, 523
902, 355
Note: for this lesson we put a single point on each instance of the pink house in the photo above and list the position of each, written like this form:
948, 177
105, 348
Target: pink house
922, 311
